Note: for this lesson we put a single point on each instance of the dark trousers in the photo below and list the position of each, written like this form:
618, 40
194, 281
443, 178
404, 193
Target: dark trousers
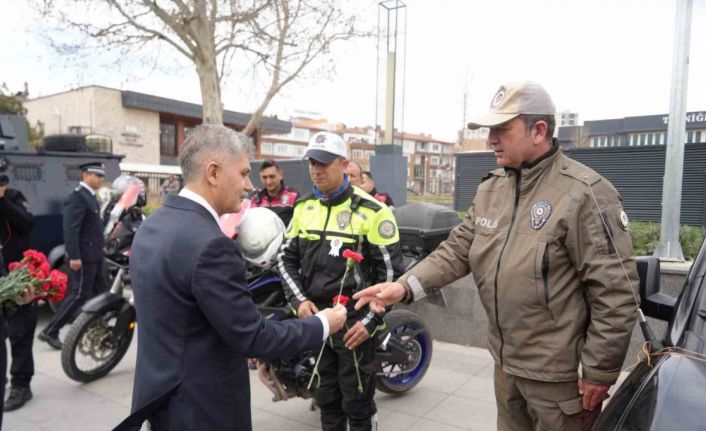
84, 284
338, 395
20, 330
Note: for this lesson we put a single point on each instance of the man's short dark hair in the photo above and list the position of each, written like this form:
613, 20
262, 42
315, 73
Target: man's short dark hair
368, 174
269, 164
532, 119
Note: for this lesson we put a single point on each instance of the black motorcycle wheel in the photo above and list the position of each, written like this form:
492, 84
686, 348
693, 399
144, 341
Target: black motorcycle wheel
409, 328
88, 340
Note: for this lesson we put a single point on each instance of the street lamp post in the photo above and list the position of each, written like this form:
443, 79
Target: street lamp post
669, 247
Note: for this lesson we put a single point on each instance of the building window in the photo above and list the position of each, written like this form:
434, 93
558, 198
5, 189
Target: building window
697, 136
657, 138
434, 160
266, 148
167, 140
689, 137
300, 134
435, 148
650, 138
358, 154
642, 139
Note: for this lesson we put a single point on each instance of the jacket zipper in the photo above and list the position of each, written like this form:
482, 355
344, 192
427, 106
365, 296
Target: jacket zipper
545, 274
518, 180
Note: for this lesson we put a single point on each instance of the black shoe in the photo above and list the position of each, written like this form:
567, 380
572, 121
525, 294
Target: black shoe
18, 397
52, 341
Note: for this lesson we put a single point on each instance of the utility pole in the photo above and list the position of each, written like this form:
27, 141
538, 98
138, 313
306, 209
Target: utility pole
669, 247
388, 164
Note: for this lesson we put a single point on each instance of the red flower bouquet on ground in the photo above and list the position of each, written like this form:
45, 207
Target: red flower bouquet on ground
33, 269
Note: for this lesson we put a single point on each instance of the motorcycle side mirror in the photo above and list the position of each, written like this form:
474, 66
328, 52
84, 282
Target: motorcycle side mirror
653, 302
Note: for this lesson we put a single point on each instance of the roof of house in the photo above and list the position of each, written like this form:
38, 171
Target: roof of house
148, 102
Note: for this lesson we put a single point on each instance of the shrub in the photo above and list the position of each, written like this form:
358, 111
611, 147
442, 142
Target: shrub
645, 238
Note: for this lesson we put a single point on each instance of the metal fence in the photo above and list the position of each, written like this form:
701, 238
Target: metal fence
637, 173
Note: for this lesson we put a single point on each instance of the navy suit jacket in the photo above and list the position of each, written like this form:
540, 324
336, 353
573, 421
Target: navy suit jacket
198, 324
83, 227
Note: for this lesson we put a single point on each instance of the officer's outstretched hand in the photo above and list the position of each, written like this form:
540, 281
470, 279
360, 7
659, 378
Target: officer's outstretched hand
380, 296
336, 317
356, 335
306, 309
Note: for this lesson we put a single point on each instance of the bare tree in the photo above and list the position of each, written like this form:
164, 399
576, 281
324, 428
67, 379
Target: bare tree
279, 37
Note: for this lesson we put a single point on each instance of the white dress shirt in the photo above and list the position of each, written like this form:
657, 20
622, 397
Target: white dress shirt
87, 187
193, 196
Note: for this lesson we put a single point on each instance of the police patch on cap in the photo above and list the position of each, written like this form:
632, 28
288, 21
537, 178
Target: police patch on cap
541, 210
498, 98
343, 219
623, 220
387, 229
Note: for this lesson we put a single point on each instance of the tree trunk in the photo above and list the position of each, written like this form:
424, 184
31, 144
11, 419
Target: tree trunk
210, 91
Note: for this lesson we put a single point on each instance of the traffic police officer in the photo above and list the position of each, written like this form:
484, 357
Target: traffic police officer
83, 237
546, 239
16, 223
338, 217
275, 195
368, 184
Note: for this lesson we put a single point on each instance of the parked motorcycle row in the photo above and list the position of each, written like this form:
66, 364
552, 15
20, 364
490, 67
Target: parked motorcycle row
101, 334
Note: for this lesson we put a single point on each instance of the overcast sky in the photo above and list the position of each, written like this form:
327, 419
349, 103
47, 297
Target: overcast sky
602, 59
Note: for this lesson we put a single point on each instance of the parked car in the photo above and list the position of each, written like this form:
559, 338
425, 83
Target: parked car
666, 391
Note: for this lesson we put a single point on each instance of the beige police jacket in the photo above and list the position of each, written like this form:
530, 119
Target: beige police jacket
549, 278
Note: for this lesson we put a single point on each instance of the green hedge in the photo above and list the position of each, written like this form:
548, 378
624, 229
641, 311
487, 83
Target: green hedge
645, 238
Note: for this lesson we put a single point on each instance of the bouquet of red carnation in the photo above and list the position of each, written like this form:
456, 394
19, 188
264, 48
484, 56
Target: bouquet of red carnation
33, 270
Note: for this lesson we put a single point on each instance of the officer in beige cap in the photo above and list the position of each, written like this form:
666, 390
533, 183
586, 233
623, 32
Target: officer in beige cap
546, 240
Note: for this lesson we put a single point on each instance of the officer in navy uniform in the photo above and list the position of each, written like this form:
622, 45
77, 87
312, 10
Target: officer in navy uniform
83, 237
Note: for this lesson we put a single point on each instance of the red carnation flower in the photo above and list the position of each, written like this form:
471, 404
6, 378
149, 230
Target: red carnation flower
350, 254
341, 299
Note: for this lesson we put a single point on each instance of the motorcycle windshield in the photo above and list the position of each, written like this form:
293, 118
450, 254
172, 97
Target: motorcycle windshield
129, 197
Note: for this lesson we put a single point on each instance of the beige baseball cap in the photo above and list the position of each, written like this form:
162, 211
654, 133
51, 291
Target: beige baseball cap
515, 99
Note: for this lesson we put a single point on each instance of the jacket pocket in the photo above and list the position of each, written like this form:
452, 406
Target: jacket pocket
542, 276
571, 407
545, 274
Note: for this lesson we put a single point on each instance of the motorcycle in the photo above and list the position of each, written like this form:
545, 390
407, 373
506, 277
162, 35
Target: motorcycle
403, 349
101, 334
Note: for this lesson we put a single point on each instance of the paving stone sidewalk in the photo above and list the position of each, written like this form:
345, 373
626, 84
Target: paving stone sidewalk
455, 394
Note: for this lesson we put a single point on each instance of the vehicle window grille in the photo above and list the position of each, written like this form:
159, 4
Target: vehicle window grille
27, 172
73, 173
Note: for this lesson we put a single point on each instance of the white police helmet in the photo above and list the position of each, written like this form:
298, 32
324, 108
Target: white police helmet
260, 235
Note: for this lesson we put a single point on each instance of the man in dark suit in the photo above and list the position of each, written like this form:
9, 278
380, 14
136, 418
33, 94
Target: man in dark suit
83, 237
198, 323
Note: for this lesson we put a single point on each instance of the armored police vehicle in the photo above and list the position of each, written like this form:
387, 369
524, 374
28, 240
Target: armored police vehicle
47, 175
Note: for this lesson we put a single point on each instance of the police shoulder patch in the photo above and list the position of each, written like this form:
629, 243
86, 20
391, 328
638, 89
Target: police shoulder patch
623, 219
387, 229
